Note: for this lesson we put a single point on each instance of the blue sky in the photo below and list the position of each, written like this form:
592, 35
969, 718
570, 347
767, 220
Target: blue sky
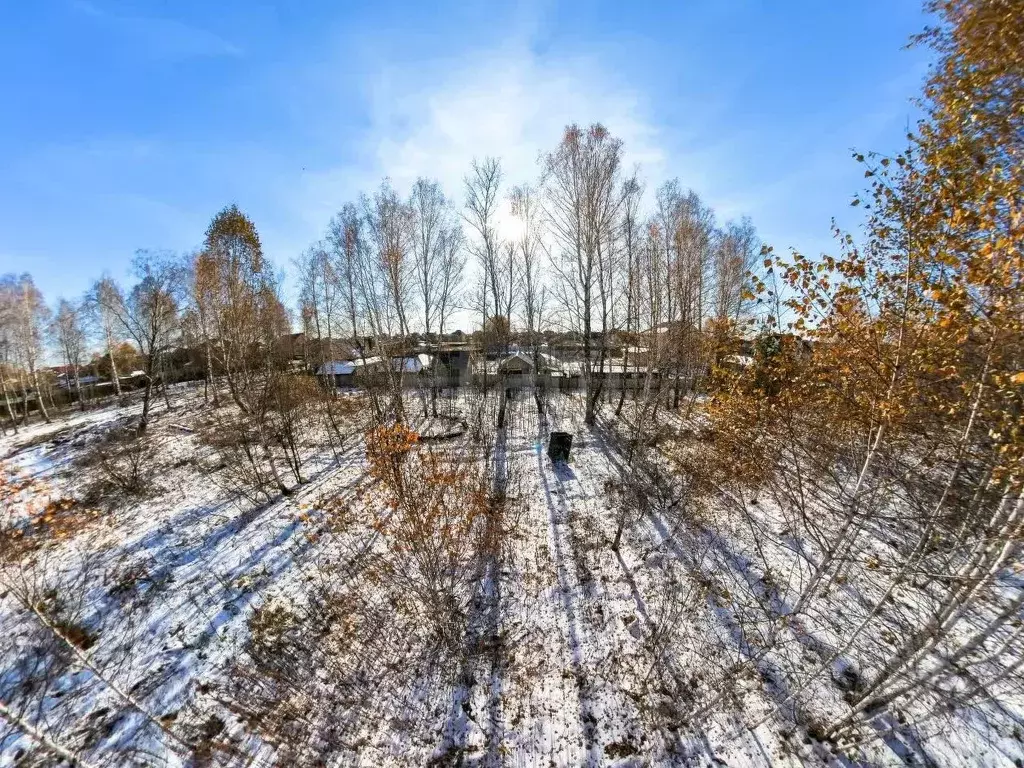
129, 124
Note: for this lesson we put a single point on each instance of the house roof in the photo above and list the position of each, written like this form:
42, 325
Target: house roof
516, 356
411, 363
360, 362
547, 362
336, 368
347, 367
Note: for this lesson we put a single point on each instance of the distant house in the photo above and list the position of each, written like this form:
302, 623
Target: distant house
291, 346
67, 380
451, 367
521, 363
516, 364
312, 349
344, 373
411, 363
337, 368
517, 369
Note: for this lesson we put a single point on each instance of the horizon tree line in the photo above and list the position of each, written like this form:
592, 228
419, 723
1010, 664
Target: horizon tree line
572, 252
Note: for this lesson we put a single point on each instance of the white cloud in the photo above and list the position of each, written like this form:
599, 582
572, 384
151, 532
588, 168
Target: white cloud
509, 103
514, 107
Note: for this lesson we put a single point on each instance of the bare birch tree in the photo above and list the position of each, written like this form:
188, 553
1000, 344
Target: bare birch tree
496, 261
581, 182
437, 246
735, 255
319, 295
345, 238
29, 317
631, 239
68, 334
100, 302
530, 246
8, 333
148, 315
385, 279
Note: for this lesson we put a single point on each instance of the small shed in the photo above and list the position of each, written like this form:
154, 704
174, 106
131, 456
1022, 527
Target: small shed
519, 363
516, 364
338, 372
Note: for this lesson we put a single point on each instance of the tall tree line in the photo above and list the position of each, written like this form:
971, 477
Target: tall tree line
571, 253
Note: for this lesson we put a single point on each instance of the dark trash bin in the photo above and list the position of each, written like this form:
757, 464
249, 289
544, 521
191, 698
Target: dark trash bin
559, 446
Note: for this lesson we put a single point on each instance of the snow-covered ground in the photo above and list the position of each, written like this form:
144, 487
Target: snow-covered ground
575, 654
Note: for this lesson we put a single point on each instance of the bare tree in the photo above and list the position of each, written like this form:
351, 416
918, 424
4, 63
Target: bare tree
384, 276
686, 227
345, 238
483, 186
452, 266
438, 261
100, 303
322, 296
29, 317
8, 332
68, 334
430, 212
530, 247
735, 256
388, 224
148, 315
582, 203
240, 280
203, 301
631, 240
652, 296
667, 217
319, 289
694, 240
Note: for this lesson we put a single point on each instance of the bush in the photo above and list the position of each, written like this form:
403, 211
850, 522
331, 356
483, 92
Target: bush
127, 461
434, 525
244, 459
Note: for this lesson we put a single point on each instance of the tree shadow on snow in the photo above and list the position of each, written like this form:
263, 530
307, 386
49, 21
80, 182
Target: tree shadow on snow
558, 515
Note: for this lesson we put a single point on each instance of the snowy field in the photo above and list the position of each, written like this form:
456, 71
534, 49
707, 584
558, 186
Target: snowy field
207, 628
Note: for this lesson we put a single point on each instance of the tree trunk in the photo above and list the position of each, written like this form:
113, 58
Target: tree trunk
209, 375
39, 394
163, 383
233, 389
24, 399
86, 661
78, 390
502, 405
7, 402
58, 751
147, 393
113, 366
